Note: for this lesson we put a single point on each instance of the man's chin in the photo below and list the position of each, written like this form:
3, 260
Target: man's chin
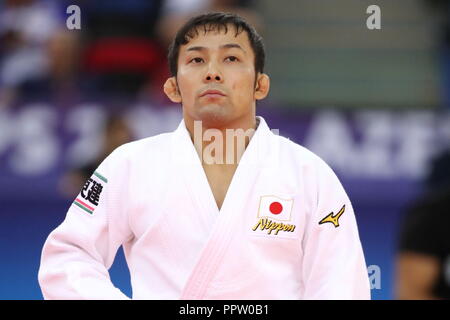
213, 116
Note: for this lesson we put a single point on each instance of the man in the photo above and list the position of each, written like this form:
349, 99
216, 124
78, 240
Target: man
423, 253
201, 217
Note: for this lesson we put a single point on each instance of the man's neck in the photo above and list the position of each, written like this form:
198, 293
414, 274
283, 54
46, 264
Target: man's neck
221, 144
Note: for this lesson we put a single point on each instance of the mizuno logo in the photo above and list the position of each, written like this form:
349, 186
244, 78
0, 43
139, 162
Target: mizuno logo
334, 219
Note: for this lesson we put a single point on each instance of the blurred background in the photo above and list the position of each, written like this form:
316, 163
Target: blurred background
374, 104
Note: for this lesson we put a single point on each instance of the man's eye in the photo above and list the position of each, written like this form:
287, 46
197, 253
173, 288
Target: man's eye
232, 58
197, 60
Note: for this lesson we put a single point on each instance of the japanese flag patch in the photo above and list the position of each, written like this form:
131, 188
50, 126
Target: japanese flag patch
89, 196
274, 217
276, 208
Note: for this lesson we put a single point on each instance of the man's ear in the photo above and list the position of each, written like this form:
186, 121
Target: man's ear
171, 90
262, 86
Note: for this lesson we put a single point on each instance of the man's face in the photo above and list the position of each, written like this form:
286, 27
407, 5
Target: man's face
216, 77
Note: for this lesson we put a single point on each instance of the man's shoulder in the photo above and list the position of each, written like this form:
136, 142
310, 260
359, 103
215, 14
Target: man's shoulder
138, 148
297, 158
300, 153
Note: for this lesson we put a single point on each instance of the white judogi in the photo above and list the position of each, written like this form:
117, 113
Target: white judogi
265, 242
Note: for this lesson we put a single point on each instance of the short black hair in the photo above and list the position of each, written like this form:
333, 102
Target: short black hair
216, 21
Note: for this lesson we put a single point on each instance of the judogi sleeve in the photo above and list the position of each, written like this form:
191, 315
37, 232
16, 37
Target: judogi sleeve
333, 266
77, 255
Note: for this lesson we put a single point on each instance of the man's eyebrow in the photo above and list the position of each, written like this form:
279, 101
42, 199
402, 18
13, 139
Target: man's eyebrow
196, 49
224, 46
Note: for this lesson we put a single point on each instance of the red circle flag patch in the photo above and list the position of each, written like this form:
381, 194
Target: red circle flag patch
276, 207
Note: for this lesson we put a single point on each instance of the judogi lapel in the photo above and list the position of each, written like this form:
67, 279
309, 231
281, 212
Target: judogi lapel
223, 229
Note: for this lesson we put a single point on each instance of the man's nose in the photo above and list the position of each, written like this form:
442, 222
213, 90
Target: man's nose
213, 74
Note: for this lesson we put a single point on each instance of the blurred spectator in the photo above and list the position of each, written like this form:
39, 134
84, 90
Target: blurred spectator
37, 53
121, 51
116, 133
125, 42
423, 260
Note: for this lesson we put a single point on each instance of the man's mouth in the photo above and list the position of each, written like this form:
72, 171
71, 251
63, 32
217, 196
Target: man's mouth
212, 94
